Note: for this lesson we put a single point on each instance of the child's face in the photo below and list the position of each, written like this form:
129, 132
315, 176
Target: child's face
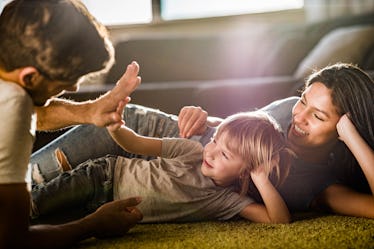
219, 163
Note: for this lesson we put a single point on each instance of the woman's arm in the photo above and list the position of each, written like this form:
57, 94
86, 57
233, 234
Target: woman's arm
341, 199
359, 148
135, 143
193, 120
274, 209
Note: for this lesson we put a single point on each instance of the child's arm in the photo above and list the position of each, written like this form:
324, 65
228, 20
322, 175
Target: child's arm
135, 143
274, 209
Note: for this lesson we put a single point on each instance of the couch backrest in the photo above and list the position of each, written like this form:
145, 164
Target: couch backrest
277, 50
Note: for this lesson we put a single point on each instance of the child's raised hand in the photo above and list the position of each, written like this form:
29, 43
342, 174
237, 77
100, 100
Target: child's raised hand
121, 105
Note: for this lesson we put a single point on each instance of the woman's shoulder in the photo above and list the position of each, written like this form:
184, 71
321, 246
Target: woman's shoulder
284, 104
281, 111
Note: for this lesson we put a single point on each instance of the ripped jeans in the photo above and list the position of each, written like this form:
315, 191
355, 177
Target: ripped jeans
85, 188
85, 142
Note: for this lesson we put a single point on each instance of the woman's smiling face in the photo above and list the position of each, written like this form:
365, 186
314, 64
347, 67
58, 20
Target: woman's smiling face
314, 119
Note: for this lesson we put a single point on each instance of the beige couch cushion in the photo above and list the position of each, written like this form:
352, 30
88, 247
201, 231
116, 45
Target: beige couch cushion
348, 44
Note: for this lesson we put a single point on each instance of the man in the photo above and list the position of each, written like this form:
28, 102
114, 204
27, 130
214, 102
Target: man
47, 47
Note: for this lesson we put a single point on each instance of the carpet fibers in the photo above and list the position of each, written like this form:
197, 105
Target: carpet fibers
335, 232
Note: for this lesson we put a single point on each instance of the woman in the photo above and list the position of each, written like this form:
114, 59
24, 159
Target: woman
330, 128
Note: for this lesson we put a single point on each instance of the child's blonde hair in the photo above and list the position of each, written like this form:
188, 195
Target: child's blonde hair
257, 139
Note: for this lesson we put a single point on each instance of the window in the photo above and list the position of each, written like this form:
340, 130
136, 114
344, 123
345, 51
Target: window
184, 9
3, 3
114, 12
120, 12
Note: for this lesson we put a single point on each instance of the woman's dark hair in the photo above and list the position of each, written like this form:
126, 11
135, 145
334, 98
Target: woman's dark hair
352, 92
58, 37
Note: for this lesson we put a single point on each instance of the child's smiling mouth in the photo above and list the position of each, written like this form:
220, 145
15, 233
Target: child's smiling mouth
207, 164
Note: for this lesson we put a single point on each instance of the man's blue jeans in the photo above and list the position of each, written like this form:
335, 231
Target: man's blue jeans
83, 189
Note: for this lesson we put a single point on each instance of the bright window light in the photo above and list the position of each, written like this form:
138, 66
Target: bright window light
115, 12
3, 3
182, 9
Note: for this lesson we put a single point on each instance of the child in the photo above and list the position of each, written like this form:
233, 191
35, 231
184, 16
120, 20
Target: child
186, 182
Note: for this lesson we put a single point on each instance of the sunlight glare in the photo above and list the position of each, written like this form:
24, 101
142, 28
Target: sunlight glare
181, 9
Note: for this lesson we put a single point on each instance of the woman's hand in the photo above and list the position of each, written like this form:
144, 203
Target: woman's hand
192, 120
345, 128
364, 155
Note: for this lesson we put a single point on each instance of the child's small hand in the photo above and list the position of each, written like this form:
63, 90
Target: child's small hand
259, 175
121, 105
116, 127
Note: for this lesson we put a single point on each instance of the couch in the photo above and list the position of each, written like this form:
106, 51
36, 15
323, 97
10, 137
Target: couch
226, 74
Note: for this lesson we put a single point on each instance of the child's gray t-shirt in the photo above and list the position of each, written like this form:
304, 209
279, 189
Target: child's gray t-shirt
173, 188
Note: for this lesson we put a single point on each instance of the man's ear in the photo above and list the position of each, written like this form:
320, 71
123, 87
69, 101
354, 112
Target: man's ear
28, 77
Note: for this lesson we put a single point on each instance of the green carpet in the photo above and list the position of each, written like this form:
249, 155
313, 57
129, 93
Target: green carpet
336, 232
